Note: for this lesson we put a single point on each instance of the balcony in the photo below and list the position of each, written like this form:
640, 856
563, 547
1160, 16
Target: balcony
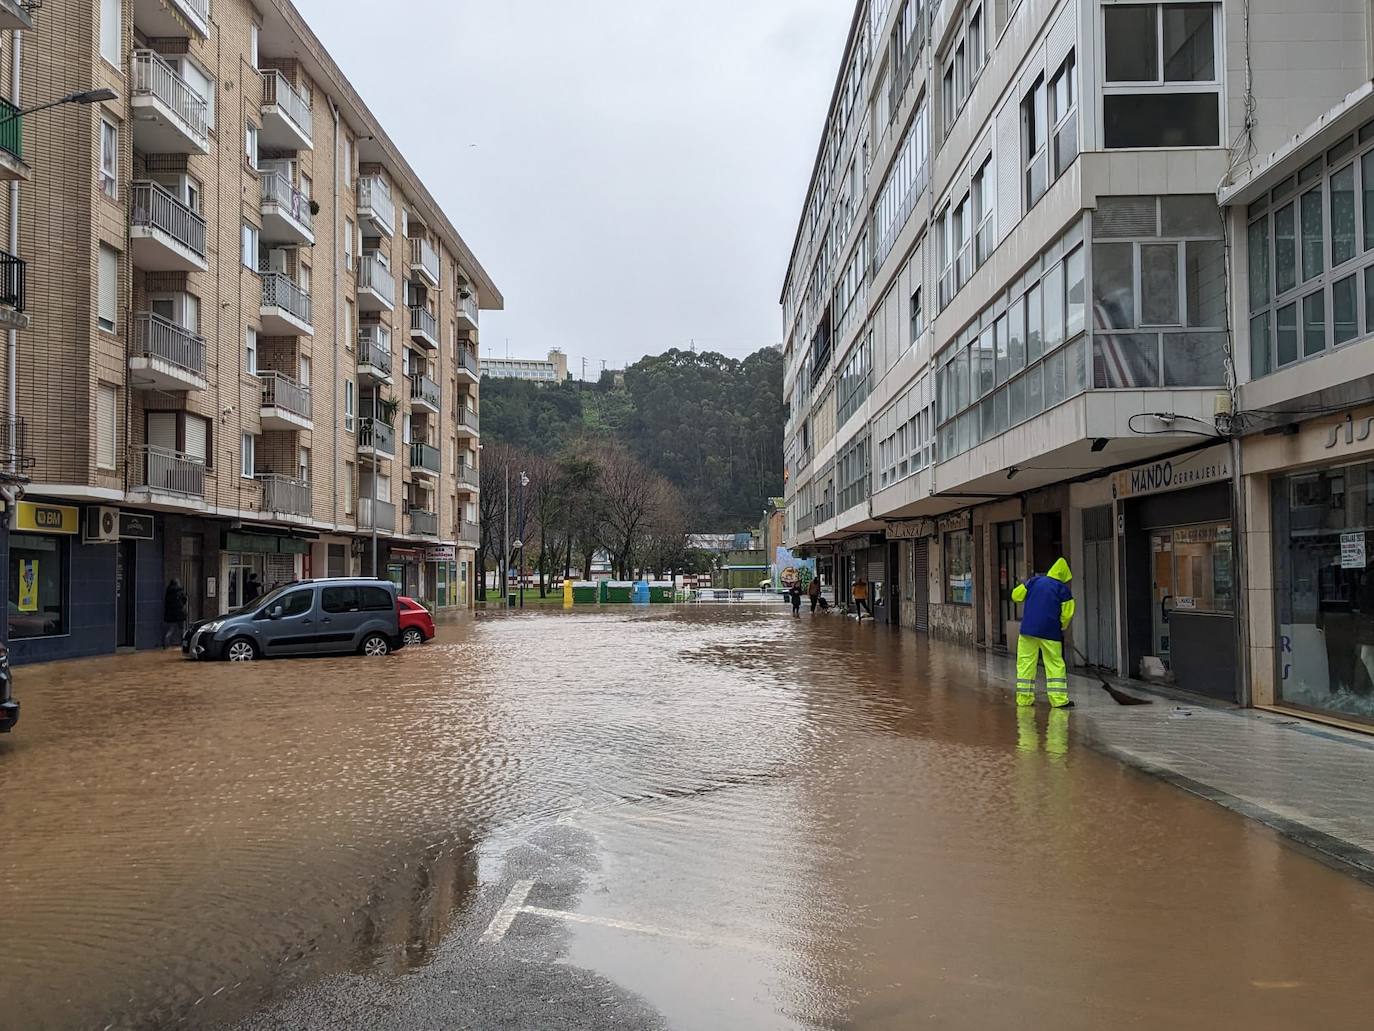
285, 212
467, 532
15, 450
376, 284
376, 438
162, 471
469, 481
171, 18
374, 355
423, 524
284, 495
424, 460
169, 116
13, 281
375, 514
286, 120
424, 328
12, 165
165, 235
467, 312
165, 356
466, 365
285, 403
17, 14
376, 209
467, 422
424, 262
285, 310
424, 393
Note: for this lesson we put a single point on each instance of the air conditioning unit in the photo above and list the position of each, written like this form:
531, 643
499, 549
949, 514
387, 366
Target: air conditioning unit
102, 525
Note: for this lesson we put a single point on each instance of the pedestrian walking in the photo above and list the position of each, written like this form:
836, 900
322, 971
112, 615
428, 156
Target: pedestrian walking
861, 604
1049, 608
795, 594
813, 591
173, 612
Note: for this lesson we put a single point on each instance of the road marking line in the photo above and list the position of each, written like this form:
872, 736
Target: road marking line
658, 932
505, 916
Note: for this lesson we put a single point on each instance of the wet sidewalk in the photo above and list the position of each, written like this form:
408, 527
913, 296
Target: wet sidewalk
1309, 782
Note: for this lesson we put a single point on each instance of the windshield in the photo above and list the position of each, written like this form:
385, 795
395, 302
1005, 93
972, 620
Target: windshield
259, 604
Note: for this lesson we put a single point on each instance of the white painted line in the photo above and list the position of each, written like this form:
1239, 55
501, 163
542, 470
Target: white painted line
505, 916
658, 932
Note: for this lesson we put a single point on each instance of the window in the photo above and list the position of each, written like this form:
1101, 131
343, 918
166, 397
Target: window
342, 599
106, 425
109, 158
349, 323
975, 42
250, 351
375, 599
350, 486
983, 212
348, 161
250, 145
253, 33
917, 316
947, 99
1035, 136
108, 287
303, 464
250, 246
1162, 87
348, 242
247, 456
349, 403
959, 567
38, 578
111, 31
1064, 116
306, 369
296, 603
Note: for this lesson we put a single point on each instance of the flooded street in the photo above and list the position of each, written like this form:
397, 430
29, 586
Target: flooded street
680, 818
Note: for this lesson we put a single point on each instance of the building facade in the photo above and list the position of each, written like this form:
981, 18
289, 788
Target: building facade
257, 358
554, 369
1018, 317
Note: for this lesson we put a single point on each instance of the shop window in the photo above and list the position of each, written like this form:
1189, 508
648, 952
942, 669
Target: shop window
38, 576
1161, 85
959, 567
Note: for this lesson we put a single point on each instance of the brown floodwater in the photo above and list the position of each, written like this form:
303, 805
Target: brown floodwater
845, 826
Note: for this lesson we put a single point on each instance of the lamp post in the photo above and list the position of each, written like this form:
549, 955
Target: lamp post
524, 482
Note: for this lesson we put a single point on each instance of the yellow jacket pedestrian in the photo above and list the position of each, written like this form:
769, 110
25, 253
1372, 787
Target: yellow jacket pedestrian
1049, 608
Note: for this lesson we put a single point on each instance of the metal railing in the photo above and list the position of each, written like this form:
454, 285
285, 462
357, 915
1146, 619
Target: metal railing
376, 434
374, 348
284, 494
468, 307
424, 524
279, 291
156, 78
14, 442
422, 388
281, 391
160, 468
374, 275
422, 253
157, 337
374, 194
467, 418
466, 360
199, 8
11, 129
376, 514
422, 320
13, 280
424, 456
277, 189
467, 530
154, 207
468, 477
276, 90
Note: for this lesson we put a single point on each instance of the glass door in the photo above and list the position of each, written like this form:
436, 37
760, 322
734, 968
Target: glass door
1162, 555
1011, 570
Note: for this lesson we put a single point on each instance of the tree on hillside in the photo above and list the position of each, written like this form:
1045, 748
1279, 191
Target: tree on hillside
545, 502
535, 417
579, 490
629, 492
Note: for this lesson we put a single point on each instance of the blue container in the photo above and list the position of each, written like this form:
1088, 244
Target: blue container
640, 593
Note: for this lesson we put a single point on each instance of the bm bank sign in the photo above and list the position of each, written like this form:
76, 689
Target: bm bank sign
1209, 466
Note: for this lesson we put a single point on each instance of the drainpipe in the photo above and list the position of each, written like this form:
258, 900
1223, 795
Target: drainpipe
338, 317
12, 348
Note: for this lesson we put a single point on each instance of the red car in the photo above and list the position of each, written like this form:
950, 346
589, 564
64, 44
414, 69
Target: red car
417, 625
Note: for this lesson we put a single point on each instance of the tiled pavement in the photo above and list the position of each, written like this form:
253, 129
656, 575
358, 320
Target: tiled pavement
1312, 783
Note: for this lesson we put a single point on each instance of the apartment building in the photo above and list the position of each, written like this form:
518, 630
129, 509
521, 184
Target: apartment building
1086, 277
553, 369
254, 344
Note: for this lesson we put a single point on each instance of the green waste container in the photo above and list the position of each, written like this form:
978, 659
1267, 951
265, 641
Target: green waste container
660, 595
584, 594
615, 594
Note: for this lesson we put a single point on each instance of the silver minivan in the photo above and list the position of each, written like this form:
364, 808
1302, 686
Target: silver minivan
309, 617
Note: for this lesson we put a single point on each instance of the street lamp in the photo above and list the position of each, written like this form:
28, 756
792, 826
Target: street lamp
524, 482
90, 96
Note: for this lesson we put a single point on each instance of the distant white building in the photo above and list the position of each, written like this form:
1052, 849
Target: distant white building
553, 369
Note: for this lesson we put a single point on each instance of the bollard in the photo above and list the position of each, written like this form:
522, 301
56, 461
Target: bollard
567, 594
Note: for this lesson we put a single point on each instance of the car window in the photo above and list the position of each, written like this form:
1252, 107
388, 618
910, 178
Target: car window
375, 599
339, 599
297, 603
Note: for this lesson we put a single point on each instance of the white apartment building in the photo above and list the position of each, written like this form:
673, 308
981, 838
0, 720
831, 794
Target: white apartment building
1009, 334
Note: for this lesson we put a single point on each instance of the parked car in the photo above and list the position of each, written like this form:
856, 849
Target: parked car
308, 617
9, 708
417, 625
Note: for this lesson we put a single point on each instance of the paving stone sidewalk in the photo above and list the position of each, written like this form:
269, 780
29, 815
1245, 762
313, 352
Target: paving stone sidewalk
1312, 783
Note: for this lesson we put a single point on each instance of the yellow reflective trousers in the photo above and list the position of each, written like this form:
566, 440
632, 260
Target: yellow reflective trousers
1029, 650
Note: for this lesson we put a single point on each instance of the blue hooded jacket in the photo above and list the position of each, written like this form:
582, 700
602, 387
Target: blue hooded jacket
1049, 603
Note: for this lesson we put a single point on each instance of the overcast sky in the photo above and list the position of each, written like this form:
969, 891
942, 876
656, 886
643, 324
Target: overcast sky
630, 175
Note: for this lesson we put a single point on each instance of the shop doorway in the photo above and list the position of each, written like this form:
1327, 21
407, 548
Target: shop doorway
1097, 608
1011, 570
193, 575
1162, 594
124, 594
1047, 540
894, 593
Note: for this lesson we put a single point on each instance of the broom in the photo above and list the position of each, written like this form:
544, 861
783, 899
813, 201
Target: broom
1118, 696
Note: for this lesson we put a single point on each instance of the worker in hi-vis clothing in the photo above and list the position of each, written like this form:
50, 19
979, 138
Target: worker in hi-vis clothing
1048, 610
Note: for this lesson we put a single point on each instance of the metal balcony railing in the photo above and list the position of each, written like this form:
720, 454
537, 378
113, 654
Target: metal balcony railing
159, 468
468, 477
281, 391
200, 8
467, 419
153, 207
276, 90
424, 524
374, 348
375, 195
11, 129
156, 337
424, 456
468, 306
422, 388
277, 189
279, 291
467, 361
155, 77
14, 442
423, 321
373, 274
467, 530
374, 433
284, 494
376, 514
13, 280
423, 254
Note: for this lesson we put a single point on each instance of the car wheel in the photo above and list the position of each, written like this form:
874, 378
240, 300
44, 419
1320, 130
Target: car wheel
241, 650
376, 644
413, 636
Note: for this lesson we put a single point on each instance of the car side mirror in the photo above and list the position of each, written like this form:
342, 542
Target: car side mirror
275, 612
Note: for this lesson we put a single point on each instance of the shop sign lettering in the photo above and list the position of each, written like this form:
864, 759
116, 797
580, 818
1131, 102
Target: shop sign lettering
1211, 466
1366, 426
1352, 550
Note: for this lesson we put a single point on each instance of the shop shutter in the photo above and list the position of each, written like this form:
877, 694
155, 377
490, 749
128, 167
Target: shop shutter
279, 569
197, 437
922, 585
106, 427
877, 566
162, 430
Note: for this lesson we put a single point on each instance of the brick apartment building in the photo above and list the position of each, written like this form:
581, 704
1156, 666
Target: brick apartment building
253, 350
